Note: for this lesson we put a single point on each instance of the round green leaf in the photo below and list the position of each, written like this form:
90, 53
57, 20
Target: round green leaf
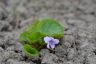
48, 27
30, 51
31, 37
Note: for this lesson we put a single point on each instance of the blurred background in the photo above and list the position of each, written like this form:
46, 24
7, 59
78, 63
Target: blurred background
77, 16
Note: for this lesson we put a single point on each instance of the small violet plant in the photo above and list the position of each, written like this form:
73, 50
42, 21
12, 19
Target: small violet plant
41, 33
51, 42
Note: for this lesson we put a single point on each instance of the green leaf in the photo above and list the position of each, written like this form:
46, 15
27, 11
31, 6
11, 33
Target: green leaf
31, 37
24, 36
47, 27
30, 51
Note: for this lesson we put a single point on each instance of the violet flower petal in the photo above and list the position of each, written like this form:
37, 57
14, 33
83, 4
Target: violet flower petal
47, 39
56, 41
48, 46
52, 46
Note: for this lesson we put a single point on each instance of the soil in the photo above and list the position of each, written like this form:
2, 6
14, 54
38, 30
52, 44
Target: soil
77, 16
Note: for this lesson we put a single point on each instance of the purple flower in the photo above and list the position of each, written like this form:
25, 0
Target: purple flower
51, 42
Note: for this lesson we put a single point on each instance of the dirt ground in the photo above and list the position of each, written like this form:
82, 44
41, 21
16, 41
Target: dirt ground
77, 16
